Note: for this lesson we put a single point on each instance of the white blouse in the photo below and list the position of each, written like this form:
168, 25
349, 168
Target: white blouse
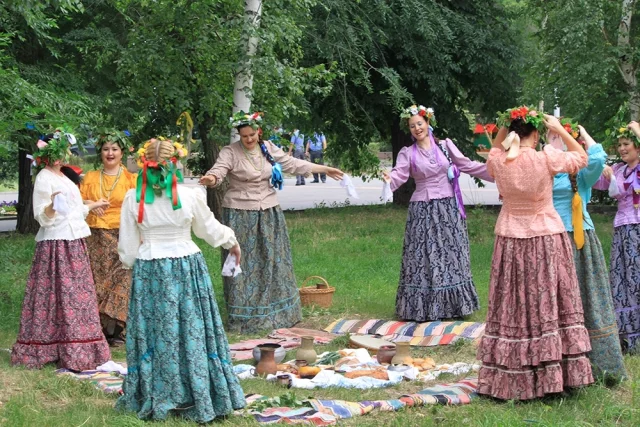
166, 233
71, 226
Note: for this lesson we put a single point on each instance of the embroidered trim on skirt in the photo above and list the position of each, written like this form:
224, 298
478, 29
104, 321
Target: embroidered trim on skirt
535, 342
625, 282
265, 295
597, 303
113, 281
59, 321
177, 352
435, 277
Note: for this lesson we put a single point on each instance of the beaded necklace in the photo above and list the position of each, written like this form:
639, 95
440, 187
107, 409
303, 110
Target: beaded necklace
107, 194
247, 152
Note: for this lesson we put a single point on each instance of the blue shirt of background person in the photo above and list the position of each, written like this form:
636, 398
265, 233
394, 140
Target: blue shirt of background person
297, 141
317, 142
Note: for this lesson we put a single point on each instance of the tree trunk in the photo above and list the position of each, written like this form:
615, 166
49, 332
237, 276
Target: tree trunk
400, 139
26, 222
211, 150
244, 73
627, 65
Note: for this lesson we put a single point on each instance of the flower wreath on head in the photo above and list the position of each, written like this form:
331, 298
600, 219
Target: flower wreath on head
418, 110
633, 180
243, 119
254, 120
527, 114
113, 136
55, 150
157, 177
571, 127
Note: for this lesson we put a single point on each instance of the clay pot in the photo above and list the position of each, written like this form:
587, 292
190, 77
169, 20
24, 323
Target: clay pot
306, 351
267, 363
284, 380
386, 353
402, 353
279, 352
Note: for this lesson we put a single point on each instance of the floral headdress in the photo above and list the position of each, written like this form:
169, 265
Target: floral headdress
157, 177
243, 119
416, 110
113, 136
570, 127
55, 150
527, 114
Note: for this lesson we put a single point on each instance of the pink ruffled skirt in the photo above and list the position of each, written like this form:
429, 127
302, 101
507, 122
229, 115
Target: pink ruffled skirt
535, 342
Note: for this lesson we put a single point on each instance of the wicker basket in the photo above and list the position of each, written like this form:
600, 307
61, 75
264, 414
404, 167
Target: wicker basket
320, 294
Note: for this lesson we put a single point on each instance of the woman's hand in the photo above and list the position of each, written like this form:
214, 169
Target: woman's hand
49, 210
334, 173
235, 251
208, 180
53, 196
100, 204
607, 172
634, 126
386, 177
553, 124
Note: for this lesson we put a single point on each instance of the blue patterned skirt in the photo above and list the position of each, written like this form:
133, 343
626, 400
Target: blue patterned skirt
435, 279
625, 282
265, 295
599, 318
177, 352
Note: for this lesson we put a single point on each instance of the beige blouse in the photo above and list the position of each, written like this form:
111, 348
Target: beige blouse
250, 175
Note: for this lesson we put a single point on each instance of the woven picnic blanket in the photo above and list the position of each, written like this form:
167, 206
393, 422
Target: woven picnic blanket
426, 334
109, 382
328, 412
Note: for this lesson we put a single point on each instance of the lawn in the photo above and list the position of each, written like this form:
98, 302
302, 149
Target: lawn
358, 250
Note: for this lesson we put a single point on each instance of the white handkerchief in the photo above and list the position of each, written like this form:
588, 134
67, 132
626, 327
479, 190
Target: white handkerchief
613, 187
387, 194
60, 204
230, 268
351, 190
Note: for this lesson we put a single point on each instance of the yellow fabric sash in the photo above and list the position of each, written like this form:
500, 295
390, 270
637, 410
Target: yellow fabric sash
577, 220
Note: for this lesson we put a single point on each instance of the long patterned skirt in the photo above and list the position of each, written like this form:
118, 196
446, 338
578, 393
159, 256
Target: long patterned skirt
435, 277
59, 321
113, 281
625, 283
599, 318
265, 295
535, 342
177, 352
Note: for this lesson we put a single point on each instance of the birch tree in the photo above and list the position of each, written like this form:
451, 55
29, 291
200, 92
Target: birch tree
242, 90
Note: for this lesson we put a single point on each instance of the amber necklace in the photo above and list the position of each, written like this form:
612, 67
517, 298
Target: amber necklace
250, 158
107, 193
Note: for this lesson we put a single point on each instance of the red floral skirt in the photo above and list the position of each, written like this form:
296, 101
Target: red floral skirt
535, 340
60, 321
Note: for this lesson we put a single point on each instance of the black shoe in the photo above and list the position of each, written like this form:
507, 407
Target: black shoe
324, 182
315, 181
297, 183
302, 183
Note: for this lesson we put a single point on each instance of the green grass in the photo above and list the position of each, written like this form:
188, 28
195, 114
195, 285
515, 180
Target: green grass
358, 250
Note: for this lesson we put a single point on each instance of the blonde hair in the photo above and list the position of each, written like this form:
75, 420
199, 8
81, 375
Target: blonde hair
159, 150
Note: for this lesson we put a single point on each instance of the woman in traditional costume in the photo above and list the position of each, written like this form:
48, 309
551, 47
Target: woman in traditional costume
265, 295
113, 282
623, 182
571, 194
60, 321
435, 277
535, 342
178, 355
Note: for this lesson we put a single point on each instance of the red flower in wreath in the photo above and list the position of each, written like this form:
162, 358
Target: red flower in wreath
515, 114
422, 113
567, 127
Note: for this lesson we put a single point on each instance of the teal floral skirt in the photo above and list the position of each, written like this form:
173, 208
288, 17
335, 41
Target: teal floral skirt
597, 303
265, 294
177, 351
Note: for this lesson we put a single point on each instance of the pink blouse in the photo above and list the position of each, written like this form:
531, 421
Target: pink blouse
429, 169
526, 186
250, 175
626, 213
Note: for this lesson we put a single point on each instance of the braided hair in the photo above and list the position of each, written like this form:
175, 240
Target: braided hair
267, 155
